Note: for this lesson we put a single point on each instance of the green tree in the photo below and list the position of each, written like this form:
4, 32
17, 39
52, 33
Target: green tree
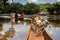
32, 8
0, 0
4, 1
57, 8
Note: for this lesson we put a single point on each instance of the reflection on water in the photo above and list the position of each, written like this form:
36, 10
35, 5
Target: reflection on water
14, 32
55, 23
9, 33
1, 27
19, 31
4, 20
54, 28
54, 32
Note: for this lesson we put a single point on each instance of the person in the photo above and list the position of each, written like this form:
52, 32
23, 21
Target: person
37, 20
32, 19
45, 23
16, 18
19, 15
22, 16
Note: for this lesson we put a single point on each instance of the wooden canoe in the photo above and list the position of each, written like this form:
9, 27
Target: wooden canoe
32, 36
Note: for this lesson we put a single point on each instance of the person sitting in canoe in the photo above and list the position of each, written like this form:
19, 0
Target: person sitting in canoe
39, 26
37, 20
16, 17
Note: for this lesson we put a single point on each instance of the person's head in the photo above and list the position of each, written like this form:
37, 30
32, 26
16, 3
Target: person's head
22, 12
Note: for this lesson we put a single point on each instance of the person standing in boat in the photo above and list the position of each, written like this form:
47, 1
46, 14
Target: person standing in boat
22, 16
16, 17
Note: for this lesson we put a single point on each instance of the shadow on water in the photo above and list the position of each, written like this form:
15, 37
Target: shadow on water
4, 20
1, 28
55, 23
54, 20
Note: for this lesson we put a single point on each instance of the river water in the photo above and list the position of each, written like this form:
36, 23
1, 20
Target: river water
20, 31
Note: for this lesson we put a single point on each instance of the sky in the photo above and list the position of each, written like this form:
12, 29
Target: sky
34, 1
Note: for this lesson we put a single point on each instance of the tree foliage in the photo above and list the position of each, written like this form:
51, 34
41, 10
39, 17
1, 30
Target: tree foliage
0, 0
30, 8
18, 8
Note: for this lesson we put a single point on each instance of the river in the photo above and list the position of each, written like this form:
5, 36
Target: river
21, 30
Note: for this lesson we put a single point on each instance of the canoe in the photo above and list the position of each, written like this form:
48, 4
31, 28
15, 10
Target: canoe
41, 34
32, 36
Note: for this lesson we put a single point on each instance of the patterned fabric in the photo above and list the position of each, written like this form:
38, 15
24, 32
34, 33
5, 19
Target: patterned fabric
38, 29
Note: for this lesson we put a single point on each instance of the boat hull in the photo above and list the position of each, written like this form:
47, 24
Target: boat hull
32, 36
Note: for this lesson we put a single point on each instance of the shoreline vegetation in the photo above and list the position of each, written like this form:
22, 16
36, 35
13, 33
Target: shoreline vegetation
29, 8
